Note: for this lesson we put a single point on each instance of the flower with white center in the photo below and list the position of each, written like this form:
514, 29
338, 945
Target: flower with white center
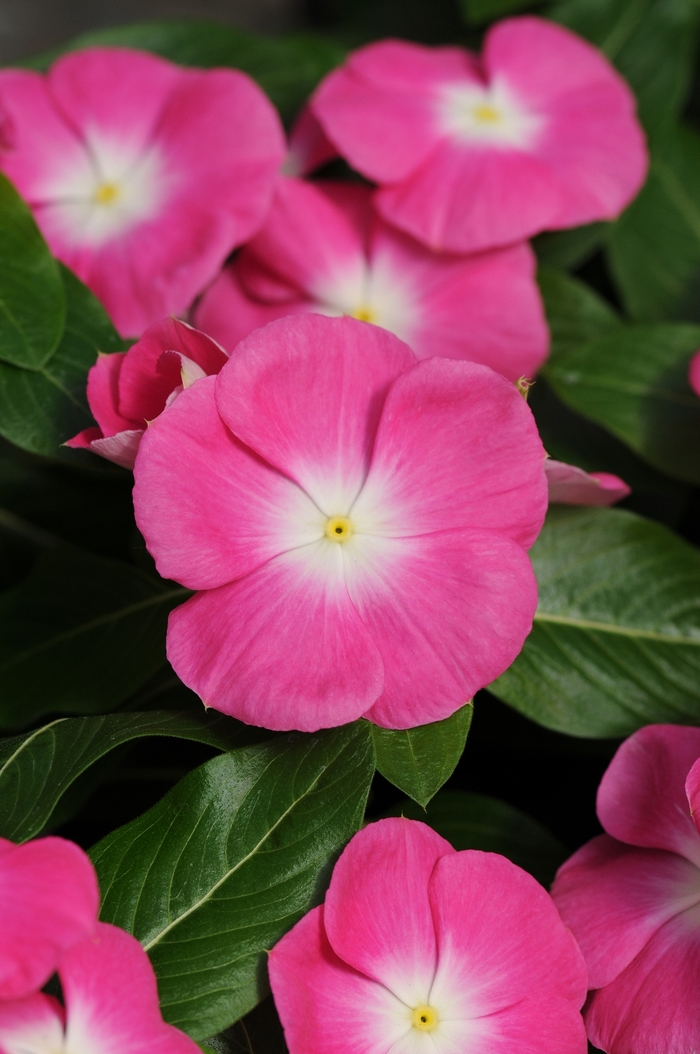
355, 522
419, 949
142, 176
472, 113
323, 248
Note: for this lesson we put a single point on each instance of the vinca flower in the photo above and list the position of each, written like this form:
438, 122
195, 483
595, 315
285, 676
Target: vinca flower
128, 389
569, 485
419, 949
356, 523
48, 902
323, 248
142, 176
538, 133
632, 897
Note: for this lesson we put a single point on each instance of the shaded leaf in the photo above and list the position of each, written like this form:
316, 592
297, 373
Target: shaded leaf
79, 635
419, 760
228, 861
32, 300
478, 821
478, 12
40, 409
37, 769
634, 382
616, 637
570, 249
575, 312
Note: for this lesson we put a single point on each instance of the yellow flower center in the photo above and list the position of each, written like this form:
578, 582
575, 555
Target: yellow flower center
339, 528
365, 313
107, 193
486, 114
425, 1018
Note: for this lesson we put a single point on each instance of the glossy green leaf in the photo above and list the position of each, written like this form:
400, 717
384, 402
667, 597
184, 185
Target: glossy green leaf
40, 409
654, 248
79, 635
226, 863
419, 760
36, 769
288, 67
575, 312
570, 249
32, 300
616, 638
634, 382
478, 821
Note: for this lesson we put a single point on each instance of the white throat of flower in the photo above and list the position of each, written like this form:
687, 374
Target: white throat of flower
470, 113
373, 291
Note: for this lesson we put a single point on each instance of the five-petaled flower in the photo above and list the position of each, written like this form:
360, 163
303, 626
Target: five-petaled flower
419, 949
323, 248
142, 175
537, 133
632, 897
356, 523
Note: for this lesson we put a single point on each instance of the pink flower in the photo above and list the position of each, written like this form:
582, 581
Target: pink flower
48, 901
324, 249
420, 949
142, 176
309, 147
632, 897
356, 523
128, 389
111, 1005
538, 133
569, 485
694, 373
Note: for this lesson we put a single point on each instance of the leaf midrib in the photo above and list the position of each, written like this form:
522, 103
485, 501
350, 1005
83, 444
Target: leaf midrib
608, 627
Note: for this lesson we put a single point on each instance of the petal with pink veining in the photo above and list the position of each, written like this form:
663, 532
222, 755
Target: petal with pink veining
33, 1025
570, 485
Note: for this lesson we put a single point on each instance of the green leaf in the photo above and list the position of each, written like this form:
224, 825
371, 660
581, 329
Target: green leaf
288, 68
477, 821
419, 760
32, 300
654, 248
214, 875
570, 249
79, 635
575, 313
478, 12
652, 43
38, 768
616, 637
40, 409
634, 382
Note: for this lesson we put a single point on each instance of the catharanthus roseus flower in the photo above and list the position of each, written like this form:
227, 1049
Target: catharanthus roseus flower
356, 523
142, 176
569, 485
537, 133
694, 373
632, 897
323, 248
421, 949
111, 1005
48, 901
128, 389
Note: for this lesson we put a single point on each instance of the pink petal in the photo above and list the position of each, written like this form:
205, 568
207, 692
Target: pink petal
614, 898
112, 998
477, 462
84, 439
309, 147
32, 1024
466, 201
537, 1025
306, 394
570, 485
377, 911
103, 394
209, 509
652, 1005
693, 372
121, 448
500, 939
48, 900
146, 380
326, 1007
229, 314
283, 648
692, 790
449, 611
642, 799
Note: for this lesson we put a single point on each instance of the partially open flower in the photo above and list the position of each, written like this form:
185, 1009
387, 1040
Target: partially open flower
142, 176
128, 389
323, 248
356, 522
419, 949
537, 133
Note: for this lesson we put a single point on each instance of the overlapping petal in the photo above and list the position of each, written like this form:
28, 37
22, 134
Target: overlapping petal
570, 485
